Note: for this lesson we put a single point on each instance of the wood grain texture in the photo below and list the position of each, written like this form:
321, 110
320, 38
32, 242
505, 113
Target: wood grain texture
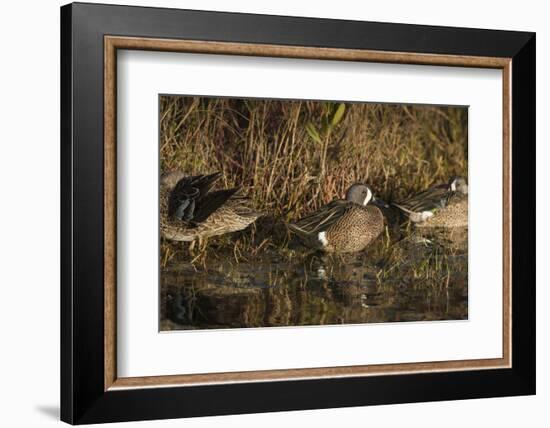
112, 43
263, 50
296, 374
110, 214
507, 212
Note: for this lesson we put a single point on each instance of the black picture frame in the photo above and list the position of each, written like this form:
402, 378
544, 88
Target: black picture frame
83, 398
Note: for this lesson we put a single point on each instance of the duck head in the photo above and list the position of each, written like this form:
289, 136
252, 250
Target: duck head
458, 184
361, 194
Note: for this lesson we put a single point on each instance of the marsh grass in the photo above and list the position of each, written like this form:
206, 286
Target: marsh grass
291, 157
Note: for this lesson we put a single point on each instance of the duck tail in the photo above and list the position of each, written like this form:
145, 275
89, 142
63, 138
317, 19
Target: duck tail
403, 209
297, 230
242, 202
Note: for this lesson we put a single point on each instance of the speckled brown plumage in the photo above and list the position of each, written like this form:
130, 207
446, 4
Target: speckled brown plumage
223, 211
455, 214
442, 205
347, 226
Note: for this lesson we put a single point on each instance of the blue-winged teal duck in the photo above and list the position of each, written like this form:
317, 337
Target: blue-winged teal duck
190, 210
343, 226
443, 205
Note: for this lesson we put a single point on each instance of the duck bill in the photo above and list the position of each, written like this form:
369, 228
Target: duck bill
379, 202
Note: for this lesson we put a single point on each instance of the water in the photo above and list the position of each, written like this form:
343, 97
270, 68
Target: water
419, 278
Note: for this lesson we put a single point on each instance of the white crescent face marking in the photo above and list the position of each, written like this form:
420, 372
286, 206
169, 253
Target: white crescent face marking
368, 197
322, 236
453, 186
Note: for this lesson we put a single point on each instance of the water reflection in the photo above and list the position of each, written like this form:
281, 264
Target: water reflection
424, 277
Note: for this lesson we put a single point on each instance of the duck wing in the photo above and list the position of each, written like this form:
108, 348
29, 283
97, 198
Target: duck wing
323, 218
210, 203
432, 199
188, 193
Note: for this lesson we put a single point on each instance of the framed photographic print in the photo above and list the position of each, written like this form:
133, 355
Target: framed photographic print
265, 213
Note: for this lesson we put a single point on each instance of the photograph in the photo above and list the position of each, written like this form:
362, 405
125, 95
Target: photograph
286, 213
